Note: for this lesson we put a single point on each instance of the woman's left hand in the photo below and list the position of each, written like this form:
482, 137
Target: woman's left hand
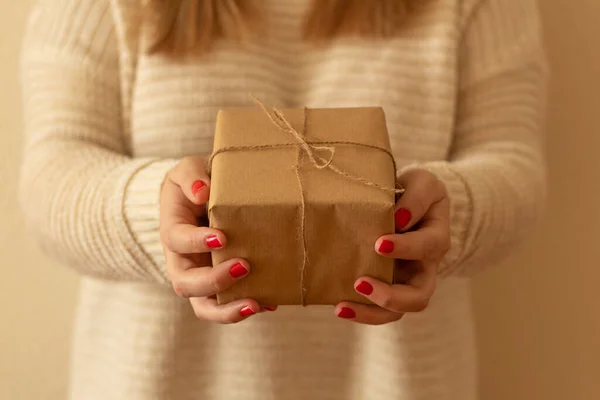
422, 239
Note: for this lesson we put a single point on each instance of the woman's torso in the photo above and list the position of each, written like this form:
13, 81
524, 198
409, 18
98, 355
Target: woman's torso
142, 342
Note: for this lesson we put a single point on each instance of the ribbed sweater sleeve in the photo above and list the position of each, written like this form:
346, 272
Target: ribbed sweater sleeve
88, 203
495, 175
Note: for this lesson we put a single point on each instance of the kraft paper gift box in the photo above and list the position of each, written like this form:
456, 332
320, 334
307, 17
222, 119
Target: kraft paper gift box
302, 194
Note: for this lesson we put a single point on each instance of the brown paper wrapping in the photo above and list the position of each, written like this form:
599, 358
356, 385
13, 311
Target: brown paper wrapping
256, 200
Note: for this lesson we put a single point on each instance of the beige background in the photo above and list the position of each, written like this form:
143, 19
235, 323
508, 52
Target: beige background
537, 315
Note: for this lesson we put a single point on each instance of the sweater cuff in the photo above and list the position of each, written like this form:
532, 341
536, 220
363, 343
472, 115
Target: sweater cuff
461, 210
141, 208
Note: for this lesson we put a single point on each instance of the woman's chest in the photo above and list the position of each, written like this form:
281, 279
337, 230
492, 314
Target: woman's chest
413, 77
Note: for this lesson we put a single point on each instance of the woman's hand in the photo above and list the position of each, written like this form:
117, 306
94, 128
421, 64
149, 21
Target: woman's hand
187, 246
422, 240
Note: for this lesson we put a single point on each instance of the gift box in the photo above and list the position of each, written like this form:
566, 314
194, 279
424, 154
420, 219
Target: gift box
302, 194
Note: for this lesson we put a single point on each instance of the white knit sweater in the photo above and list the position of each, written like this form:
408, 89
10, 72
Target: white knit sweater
463, 91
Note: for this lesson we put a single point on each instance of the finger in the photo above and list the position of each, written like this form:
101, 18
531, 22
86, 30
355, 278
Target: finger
366, 314
236, 311
175, 207
430, 242
189, 239
190, 280
191, 176
422, 189
269, 308
413, 297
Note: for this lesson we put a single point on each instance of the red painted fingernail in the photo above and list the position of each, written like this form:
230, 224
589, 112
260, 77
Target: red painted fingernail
213, 242
347, 313
238, 270
246, 312
197, 186
386, 247
364, 288
402, 217
270, 308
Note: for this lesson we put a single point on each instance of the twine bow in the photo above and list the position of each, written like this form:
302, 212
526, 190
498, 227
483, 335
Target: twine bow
311, 150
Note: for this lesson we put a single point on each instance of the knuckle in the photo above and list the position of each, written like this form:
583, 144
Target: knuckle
228, 318
431, 255
438, 186
445, 245
441, 187
193, 162
170, 239
194, 242
198, 312
388, 303
429, 249
180, 289
389, 319
225, 316
418, 174
163, 186
393, 318
421, 304
379, 322
171, 174
440, 245
422, 204
431, 182
432, 189
436, 246
215, 282
165, 238
185, 161
401, 247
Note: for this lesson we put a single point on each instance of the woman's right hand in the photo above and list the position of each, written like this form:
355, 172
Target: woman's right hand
187, 246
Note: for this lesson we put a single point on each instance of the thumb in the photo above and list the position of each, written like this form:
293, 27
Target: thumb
422, 190
191, 176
